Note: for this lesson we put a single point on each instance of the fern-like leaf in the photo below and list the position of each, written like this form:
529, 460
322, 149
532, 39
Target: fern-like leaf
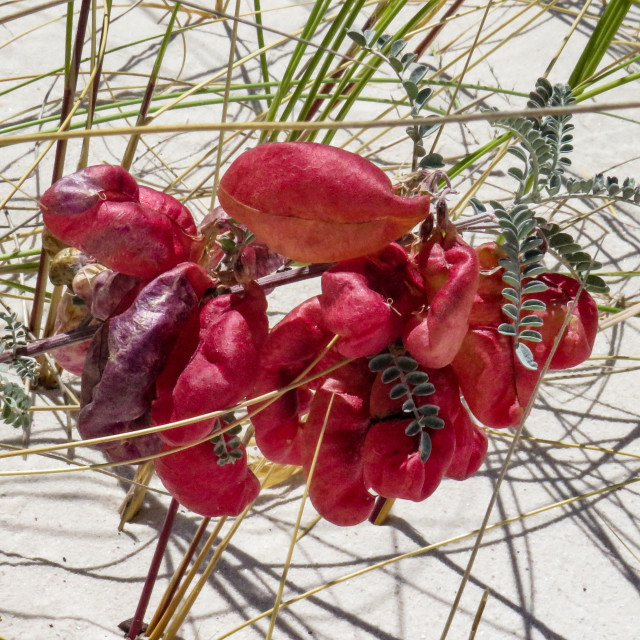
414, 386
572, 254
544, 144
521, 266
410, 75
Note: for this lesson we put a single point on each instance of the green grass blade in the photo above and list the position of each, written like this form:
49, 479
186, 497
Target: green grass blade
151, 85
264, 65
315, 19
375, 62
599, 41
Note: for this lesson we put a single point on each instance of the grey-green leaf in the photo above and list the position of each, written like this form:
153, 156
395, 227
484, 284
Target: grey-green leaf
358, 37
531, 321
510, 310
413, 428
507, 329
417, 377
380, 362
406, 364
390, 374
533, 305
409, 406
433, 422
428, 409
526, 357
535, 286
425, 446
398, 391
425, 389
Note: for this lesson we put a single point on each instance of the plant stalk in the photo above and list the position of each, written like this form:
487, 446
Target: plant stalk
136, 623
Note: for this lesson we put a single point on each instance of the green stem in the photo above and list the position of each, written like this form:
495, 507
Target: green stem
151, 85
19, 254
21, 287
23, 267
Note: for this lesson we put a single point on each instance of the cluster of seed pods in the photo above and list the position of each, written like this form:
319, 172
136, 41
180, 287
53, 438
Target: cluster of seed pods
166, 348
409, 334
394, 423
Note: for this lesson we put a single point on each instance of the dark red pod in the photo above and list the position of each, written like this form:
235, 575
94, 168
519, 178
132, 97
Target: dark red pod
488, 373
366, 301
449, 269
101, 211
196, 480
577, 340
317, 203
292, 346
128, 353
214, 364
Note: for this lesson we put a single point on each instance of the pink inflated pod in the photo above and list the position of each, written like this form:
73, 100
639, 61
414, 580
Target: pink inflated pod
366, 301
449, 269
98, 210
576, 343
197, 481
487, 370
214, 365
106, 292
128, 353
393, 465
486, 310
167, 205
337, 488
470, 449
317, 203
489, 355
292, 346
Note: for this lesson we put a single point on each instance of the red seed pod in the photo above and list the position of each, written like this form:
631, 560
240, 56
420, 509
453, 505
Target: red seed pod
366, 301
577, 340
99, 211
337, 489
316, 203
470, 448
486, 355
486, 368
167, 205
196, 480
214, 364
292, 345
449, 268
392, 462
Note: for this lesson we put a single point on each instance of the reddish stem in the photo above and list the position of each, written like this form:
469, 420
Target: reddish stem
431, 36
136, 623
377, 508
80, 335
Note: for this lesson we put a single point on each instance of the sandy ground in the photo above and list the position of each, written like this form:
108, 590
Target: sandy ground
566, 570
